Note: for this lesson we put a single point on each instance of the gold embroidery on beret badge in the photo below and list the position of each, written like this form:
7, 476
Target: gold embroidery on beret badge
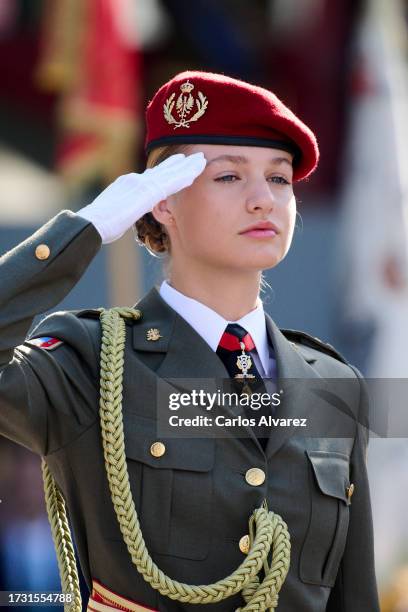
184, 105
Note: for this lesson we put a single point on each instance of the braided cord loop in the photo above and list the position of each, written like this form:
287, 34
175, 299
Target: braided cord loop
267, 531
61, 535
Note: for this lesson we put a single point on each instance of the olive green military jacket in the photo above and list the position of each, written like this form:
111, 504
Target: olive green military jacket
194, 501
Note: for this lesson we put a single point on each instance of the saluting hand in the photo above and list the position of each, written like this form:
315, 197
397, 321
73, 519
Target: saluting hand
133, 195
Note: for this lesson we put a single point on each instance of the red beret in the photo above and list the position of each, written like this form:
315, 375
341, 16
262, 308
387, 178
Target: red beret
205, 108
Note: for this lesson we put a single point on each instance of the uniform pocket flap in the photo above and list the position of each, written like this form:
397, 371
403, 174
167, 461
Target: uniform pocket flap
194, 454
332, 473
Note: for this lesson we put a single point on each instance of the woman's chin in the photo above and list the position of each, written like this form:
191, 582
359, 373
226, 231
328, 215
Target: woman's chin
256, 264
261, 262
241, 261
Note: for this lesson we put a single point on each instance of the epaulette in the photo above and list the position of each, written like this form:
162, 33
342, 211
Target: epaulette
307, 340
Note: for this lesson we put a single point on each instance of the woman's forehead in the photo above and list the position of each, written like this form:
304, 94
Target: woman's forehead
240, 154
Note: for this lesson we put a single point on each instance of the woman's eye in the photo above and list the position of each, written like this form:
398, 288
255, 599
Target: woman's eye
226, 178
280, 180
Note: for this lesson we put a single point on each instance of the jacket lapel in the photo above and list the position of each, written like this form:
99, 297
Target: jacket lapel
291, 366
187, 355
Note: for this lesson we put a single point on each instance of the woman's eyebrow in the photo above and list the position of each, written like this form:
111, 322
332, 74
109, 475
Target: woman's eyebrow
239, 159
235, 159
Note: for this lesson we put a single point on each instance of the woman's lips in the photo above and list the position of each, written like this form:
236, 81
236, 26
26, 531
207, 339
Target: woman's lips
260, 233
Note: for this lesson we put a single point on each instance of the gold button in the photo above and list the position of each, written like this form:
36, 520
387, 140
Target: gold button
350, 491
244, 544
42, 251
255, 477
157, 449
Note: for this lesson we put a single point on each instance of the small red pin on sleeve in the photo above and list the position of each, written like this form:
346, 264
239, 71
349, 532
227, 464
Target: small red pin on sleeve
46, 342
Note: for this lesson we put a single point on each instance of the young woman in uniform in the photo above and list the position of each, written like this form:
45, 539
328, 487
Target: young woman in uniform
164, 523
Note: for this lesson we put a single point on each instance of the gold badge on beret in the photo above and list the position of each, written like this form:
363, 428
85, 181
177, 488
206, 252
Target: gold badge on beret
184, 106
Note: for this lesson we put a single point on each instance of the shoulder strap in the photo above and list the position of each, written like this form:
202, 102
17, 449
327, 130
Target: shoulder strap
305, 339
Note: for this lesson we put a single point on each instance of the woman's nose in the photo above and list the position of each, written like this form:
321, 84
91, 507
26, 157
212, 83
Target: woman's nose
260, 197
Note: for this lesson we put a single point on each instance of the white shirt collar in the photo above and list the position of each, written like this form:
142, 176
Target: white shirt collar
210, 325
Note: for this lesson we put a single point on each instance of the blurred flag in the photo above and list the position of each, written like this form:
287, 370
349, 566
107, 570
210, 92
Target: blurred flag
373, 250
372, 255
94, 65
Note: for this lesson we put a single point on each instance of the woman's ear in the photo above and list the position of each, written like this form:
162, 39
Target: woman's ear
162, 213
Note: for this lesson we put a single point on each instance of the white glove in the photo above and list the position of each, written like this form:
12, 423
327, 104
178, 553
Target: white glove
133, 195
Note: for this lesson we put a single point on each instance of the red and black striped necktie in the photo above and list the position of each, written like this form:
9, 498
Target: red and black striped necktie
236, 349
236, 344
